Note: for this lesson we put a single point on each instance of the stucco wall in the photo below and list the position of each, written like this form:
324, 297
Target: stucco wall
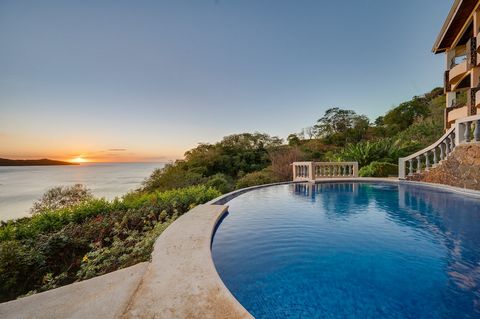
460, 169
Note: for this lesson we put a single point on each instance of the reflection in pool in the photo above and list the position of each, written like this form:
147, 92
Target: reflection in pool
352, 250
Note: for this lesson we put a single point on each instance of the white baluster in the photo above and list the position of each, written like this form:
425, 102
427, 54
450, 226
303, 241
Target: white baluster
476, 133
467, 131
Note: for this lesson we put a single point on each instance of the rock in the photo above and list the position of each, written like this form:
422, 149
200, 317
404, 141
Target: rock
460, 169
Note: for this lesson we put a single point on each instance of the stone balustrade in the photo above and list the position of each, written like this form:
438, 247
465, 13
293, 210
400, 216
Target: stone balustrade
465, 130
468, 130
311, 171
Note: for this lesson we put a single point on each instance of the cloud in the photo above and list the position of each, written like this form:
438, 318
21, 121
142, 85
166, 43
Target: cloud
117, 149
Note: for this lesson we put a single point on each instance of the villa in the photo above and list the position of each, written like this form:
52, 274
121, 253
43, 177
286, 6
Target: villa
455, 158
459, 39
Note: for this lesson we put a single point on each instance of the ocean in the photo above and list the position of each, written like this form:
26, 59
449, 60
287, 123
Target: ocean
20, 186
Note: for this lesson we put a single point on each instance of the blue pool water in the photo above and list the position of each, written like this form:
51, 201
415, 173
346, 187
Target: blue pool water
352, 250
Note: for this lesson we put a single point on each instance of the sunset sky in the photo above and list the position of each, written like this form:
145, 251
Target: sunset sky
148, 80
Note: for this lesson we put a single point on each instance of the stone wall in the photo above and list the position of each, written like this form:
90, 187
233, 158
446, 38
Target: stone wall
460, 169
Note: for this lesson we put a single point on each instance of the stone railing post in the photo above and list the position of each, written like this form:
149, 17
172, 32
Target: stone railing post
460, 129
401, 168
311, 176
467, 132
476, 133
355, 169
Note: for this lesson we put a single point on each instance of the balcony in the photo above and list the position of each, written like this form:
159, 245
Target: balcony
457, 73
477, 99
454, 113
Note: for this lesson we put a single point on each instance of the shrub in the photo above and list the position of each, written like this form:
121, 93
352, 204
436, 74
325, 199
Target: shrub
51, 220
378, 169
61, 197
220, 182
281, 159
257, 178
57, 247
170, 177
135, 248
386, 150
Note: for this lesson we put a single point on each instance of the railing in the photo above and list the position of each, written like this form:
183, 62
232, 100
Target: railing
468, 130
465, 130
311, 171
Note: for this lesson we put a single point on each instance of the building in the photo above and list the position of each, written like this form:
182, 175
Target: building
459, 39
454, 159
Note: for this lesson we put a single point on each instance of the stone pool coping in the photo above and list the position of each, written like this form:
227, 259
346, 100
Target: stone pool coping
181, 281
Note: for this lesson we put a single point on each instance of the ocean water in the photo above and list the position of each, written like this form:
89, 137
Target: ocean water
352, 250
20, 186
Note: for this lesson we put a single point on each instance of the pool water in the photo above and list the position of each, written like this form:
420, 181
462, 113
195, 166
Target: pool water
352, 250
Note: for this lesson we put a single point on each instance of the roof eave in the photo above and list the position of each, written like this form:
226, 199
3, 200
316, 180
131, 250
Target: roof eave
436, 49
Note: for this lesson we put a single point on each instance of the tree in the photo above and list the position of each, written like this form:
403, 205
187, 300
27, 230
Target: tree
338, 126
402, 116
281, 159
293, 140
335, 120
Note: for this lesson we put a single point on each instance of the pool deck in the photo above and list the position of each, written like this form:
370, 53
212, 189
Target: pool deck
180, 281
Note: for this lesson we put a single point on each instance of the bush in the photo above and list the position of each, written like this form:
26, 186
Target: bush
257, 178
282, 159
220, 182
378, 169
170, 177
58, 247
386, 150
62, 197
52, 220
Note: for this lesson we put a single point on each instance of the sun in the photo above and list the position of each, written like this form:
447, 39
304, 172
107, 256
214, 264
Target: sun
78, 159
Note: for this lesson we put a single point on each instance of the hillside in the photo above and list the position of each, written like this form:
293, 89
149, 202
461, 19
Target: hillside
39, 162
247, 159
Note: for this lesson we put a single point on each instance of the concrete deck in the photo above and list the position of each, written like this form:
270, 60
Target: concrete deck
101, 297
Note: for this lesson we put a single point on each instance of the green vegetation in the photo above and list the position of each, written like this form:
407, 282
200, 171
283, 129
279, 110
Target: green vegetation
81, 240
243, 160
73, 236
379, 169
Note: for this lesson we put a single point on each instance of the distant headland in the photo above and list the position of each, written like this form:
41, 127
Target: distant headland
43, 162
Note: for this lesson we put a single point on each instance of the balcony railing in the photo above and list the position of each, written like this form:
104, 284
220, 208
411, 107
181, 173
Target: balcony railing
468, 130
311, 171
457, 73
465, 130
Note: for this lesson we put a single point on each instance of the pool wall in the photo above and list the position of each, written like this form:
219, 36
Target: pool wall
181, 281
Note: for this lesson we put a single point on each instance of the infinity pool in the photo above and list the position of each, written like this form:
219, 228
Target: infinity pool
352, 250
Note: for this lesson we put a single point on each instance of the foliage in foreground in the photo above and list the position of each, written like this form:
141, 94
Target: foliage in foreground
59, 246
